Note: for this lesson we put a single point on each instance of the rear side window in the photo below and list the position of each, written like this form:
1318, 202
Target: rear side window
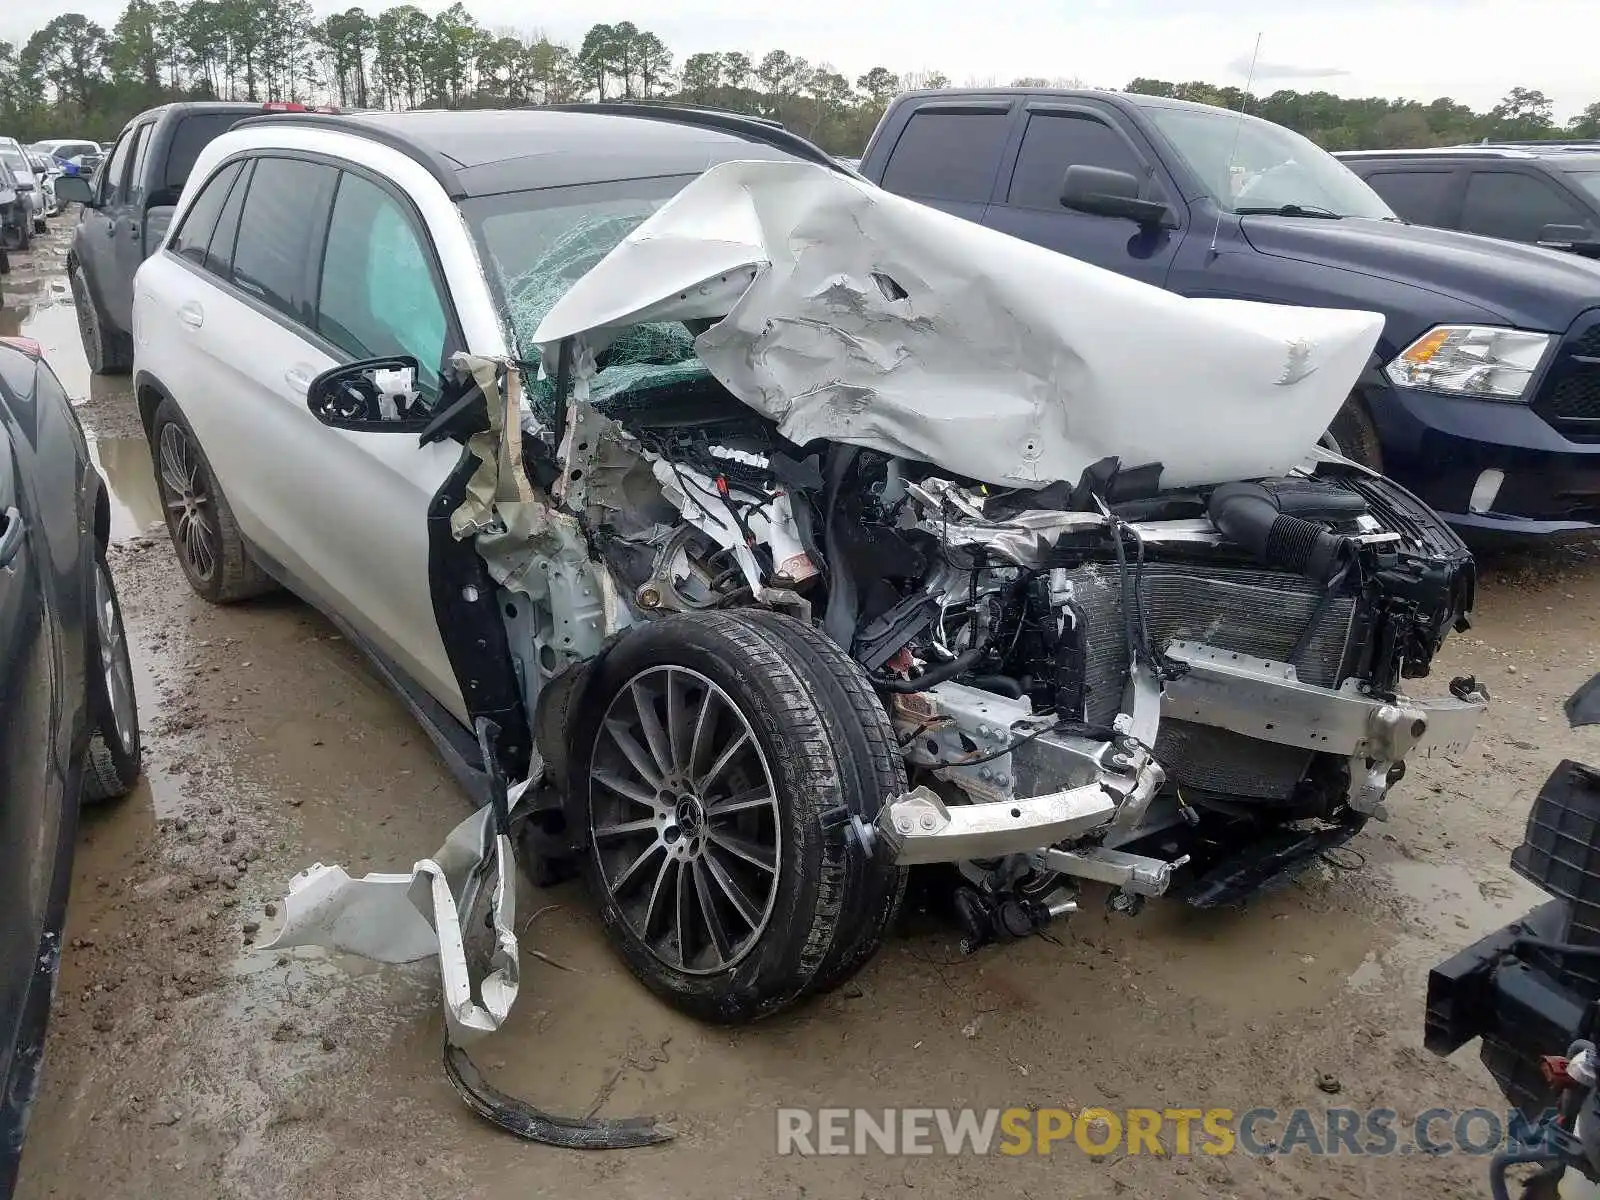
192, 135
193, 238
286, 201
1053, 143
219, 258
1419, 196
1505, 204
948, 156
379, 295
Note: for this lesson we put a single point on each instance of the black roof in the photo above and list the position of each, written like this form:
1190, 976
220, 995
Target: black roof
482, 152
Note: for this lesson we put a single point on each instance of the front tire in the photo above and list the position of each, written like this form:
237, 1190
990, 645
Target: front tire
205, 537
112, 766
707, 773
1354, 435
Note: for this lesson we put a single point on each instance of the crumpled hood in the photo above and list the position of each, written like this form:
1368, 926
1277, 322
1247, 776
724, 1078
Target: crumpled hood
846, 313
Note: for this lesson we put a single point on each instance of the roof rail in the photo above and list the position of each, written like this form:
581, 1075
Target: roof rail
761, 129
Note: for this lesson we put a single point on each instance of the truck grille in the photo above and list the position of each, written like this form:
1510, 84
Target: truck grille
1571, 400
1259, 613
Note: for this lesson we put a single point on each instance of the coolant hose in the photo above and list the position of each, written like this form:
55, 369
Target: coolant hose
1248, 514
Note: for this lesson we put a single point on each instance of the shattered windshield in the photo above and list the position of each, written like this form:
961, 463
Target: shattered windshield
539, 243
1253, 166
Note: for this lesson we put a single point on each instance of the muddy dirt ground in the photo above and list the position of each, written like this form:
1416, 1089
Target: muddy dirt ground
182, 1063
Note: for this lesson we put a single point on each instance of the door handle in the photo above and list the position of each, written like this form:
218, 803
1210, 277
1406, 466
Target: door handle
298, 379
191, 315
11, 531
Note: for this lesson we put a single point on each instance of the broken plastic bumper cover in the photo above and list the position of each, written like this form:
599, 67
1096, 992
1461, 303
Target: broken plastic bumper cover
434, 911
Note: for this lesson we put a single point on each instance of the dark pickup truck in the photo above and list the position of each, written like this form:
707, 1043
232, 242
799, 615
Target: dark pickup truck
127, 206
1483, 395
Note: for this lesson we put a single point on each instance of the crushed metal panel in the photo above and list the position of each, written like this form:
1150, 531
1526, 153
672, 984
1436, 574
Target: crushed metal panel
879, 322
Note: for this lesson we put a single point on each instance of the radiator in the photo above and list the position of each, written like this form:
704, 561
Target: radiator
1259, 613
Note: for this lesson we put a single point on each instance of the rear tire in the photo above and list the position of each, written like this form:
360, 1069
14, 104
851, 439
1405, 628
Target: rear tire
39, 226
112, 765
205, 537
704, 765
1353, 435
108, 351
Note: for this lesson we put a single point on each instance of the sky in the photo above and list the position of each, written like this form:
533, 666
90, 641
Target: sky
1472, 50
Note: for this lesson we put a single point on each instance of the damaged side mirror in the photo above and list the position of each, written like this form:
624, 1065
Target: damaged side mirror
1108, 193
376, 395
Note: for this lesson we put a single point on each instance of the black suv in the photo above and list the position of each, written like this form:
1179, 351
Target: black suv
127, 207
1547, 193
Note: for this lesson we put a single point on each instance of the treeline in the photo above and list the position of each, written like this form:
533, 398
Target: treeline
75, 77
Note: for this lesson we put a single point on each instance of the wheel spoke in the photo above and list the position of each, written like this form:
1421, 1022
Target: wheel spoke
708, 912
740, 847
757, 797
628, 791
723, 759
633, 867
634, 753
702, 723
642, 825
678, 735
644, 703
747, 909
655, 896
683, 914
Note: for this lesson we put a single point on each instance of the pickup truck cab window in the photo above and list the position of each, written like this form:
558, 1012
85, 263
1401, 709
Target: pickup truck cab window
948, 154
1424, 197
1515, 206
113, 175
1053, 142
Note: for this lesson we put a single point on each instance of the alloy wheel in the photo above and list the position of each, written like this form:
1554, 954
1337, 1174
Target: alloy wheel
684, 821
191, 513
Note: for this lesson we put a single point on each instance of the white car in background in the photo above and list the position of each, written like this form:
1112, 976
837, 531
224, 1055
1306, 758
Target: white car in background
47, 170
29, 184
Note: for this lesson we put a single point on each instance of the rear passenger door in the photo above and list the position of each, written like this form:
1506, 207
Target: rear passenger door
1057, 136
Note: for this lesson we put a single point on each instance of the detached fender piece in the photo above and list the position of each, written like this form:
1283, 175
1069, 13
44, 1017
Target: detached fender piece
433, 910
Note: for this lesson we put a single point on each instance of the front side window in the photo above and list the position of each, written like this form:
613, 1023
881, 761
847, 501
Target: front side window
114, 168
286, 201
1052, 143
1248, 165
193, 238
1517, 207
1588, 179
379, 295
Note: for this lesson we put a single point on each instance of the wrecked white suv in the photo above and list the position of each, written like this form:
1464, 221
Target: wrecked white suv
745, 535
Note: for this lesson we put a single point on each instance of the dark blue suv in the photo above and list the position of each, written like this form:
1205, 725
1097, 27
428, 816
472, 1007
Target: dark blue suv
1483, 395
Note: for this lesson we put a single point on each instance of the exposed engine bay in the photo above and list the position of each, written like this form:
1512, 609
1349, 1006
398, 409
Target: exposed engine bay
1107, 681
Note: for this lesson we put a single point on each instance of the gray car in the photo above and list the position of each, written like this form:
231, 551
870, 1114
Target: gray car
71, 726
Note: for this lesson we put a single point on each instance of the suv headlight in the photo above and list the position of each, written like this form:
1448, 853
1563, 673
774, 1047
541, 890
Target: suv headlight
1481, 361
